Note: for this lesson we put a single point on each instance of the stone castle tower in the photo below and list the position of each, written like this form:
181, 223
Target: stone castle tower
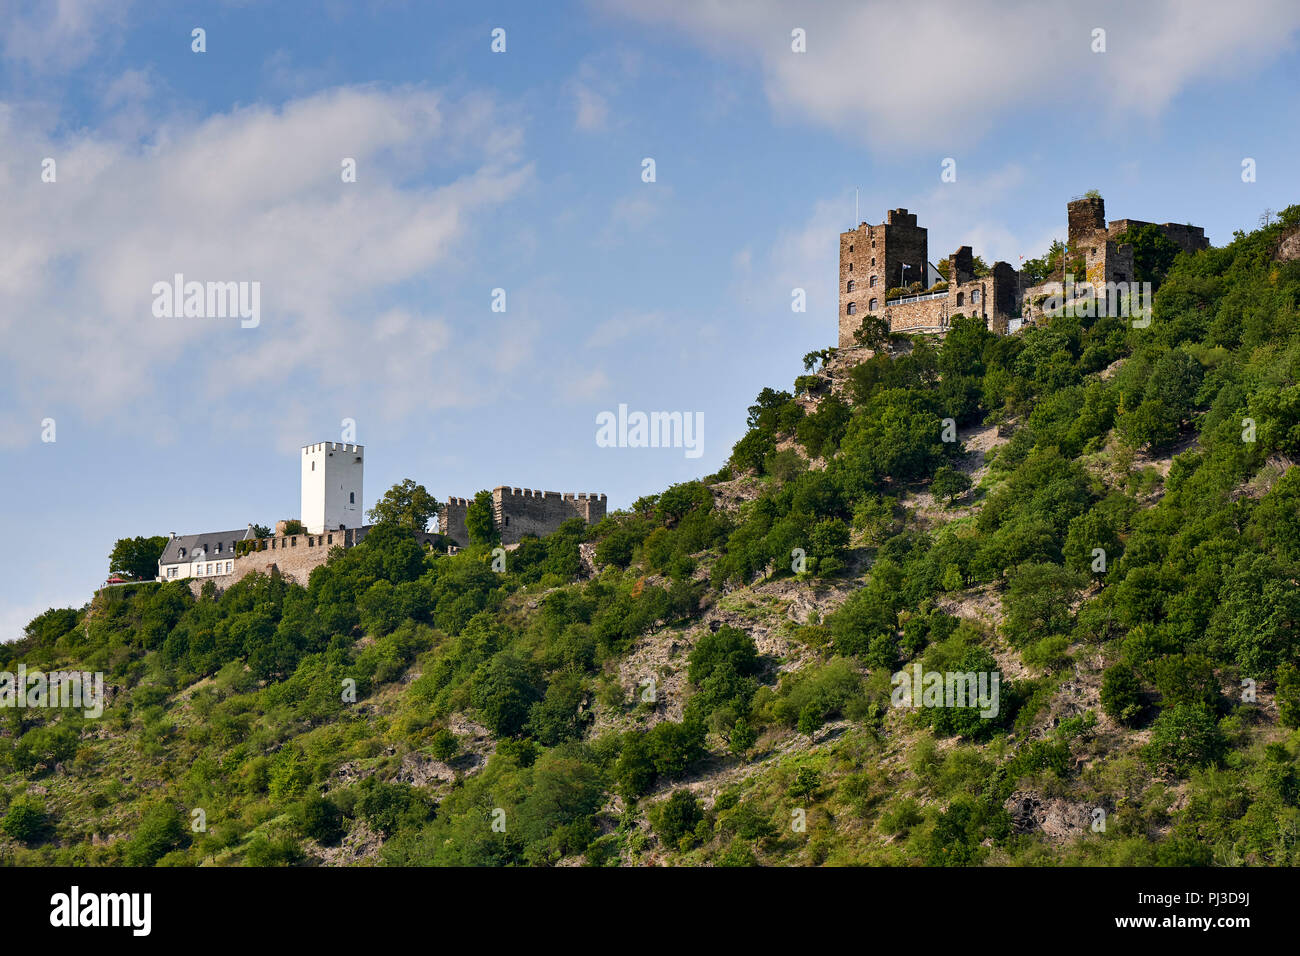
331, 486
875, 258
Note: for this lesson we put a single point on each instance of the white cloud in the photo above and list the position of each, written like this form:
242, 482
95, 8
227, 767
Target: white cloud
250, 195
58, 35
899, 75
592, 108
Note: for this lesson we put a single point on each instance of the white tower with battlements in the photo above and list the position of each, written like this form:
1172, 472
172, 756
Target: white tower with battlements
331, 486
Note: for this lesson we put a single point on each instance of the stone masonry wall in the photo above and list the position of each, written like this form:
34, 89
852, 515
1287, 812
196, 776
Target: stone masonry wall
523, 511
451, 520
296, 555
926, 314
872, 257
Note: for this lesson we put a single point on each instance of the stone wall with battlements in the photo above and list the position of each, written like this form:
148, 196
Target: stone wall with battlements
519, 512
294, 555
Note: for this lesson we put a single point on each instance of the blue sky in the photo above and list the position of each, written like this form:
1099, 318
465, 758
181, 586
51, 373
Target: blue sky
522, 170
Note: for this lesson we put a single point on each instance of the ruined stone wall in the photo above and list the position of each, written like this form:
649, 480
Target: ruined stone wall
1086, 218
1188, 238
523, 511
451, 520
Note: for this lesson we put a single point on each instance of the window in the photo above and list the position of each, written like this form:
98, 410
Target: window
850, 267
873, 282
209, 571
229, 566
850, 247
959, 298
853, 308
507, 522
171, 572
873, 304
873, 260
975, 297
182, 552
313, 466
218, 547
850, 286
329, 539
352, 497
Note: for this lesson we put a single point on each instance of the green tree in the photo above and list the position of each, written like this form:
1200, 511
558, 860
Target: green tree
25, 821
1121, 694
675, 820
1153, 252
407, 504
161, 830
137, 558
949, 484
480, 521
1183, 737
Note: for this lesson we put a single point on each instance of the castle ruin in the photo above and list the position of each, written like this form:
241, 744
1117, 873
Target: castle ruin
518, 512
892, 256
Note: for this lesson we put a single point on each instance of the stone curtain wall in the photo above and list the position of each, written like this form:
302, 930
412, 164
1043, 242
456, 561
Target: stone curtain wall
451, 520
523, 511
927, 314
296, 556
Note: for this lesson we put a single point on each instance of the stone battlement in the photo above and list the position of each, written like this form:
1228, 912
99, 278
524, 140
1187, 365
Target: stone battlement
519, 512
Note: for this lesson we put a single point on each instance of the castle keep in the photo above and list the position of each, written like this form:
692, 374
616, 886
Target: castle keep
518, 512
891, 256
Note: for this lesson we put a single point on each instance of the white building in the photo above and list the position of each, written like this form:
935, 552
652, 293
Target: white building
331, 486
200, 555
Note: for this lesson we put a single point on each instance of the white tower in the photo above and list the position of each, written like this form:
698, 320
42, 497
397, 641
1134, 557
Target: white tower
331, 486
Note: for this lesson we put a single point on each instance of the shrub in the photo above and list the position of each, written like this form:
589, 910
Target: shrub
25, 821
1183, 737
675, 819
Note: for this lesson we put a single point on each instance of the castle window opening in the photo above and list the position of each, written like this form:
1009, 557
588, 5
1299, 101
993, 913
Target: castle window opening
352, 497
974, 296
873, 260
853, 308
872, 283
850, 286
959, 298
874, 303
329, 539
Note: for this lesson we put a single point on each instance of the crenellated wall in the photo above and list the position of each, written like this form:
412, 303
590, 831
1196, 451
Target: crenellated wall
518, 512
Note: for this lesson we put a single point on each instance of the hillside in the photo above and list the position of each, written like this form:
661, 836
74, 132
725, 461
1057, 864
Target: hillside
706, 677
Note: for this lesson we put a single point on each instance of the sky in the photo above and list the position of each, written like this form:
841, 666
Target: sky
517, 177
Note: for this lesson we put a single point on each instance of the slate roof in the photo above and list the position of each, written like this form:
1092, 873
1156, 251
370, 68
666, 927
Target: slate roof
207, 543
